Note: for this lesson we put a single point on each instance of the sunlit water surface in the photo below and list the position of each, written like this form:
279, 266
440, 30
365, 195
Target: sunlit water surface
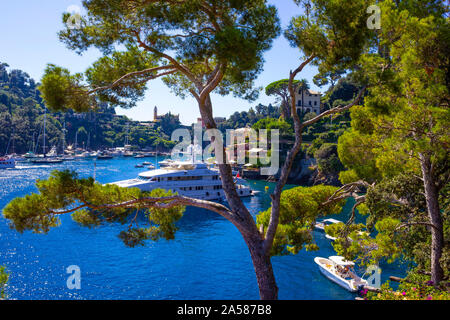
207, 260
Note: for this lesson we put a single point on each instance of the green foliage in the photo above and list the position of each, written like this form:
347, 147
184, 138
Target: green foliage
196, 37
61, 90
115, 66
404, 120
270, 124
249, 118
335, 31
327, 159
357, 154
22, 117
3, 282
405, 114
94, 204
280, 89
393, 229
299, 209
414, 287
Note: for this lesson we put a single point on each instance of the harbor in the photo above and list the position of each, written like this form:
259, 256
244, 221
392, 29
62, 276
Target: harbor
207, 250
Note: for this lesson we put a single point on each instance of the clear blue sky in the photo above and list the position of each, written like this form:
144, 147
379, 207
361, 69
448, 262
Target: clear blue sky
28, 41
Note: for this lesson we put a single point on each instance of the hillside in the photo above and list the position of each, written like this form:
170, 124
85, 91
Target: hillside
22, 113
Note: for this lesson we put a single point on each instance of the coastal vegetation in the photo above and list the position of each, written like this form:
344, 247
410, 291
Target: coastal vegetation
387, 140
22, 114
396, 152
3, 282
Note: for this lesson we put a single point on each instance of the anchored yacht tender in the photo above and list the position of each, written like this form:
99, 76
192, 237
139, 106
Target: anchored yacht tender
338, 270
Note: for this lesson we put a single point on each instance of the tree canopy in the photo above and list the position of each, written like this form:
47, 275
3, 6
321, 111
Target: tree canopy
399, 140
191, 44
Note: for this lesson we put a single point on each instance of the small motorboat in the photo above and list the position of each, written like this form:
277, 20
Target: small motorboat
7, 163
139, 166
341, 272
326, 222
104, 156
166, 163
29, 155
151, 167
146, 163
139, 156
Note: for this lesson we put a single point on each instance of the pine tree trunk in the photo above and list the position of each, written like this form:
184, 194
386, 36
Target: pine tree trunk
434, 214
244, 221
268, 289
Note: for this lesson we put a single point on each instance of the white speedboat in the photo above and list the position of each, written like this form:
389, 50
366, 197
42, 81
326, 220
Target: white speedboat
189, 179
341, 272
7, 163
166, 163
326, 222
29, 155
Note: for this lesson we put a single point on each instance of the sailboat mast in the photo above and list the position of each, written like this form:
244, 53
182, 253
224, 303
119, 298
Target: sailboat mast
45, 118
64, 138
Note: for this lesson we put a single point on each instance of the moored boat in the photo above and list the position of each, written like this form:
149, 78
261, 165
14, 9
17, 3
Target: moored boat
341, 272
326, 222
7, 163
104, 156
189, 179
46, 160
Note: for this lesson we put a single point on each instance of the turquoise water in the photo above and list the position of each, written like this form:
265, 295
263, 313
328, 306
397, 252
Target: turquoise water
208, 259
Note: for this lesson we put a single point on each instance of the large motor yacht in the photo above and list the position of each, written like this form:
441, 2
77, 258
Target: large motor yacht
190, 179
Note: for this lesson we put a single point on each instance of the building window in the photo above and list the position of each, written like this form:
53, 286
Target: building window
315, 103
299, 104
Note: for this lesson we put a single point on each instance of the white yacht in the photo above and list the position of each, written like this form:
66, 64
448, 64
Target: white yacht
340, 271
190, 179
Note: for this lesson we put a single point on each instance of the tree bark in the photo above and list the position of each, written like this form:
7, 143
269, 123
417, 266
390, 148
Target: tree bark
244, 221
434, 214
268, 289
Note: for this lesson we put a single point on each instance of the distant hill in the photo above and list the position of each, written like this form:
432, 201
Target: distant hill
22, 113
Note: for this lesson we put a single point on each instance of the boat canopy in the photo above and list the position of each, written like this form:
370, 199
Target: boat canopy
341, 261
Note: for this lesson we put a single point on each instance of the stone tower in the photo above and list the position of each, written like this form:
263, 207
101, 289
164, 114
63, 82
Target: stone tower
155, 114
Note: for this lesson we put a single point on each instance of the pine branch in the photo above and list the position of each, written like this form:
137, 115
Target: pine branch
137, 73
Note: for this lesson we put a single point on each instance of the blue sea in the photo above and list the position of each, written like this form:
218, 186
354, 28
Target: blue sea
207, 260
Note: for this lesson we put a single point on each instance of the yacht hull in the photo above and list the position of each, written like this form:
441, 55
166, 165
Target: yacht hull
326, 268
194, 180
201, 195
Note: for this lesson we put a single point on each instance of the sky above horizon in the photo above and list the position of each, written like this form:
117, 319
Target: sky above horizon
29, 41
